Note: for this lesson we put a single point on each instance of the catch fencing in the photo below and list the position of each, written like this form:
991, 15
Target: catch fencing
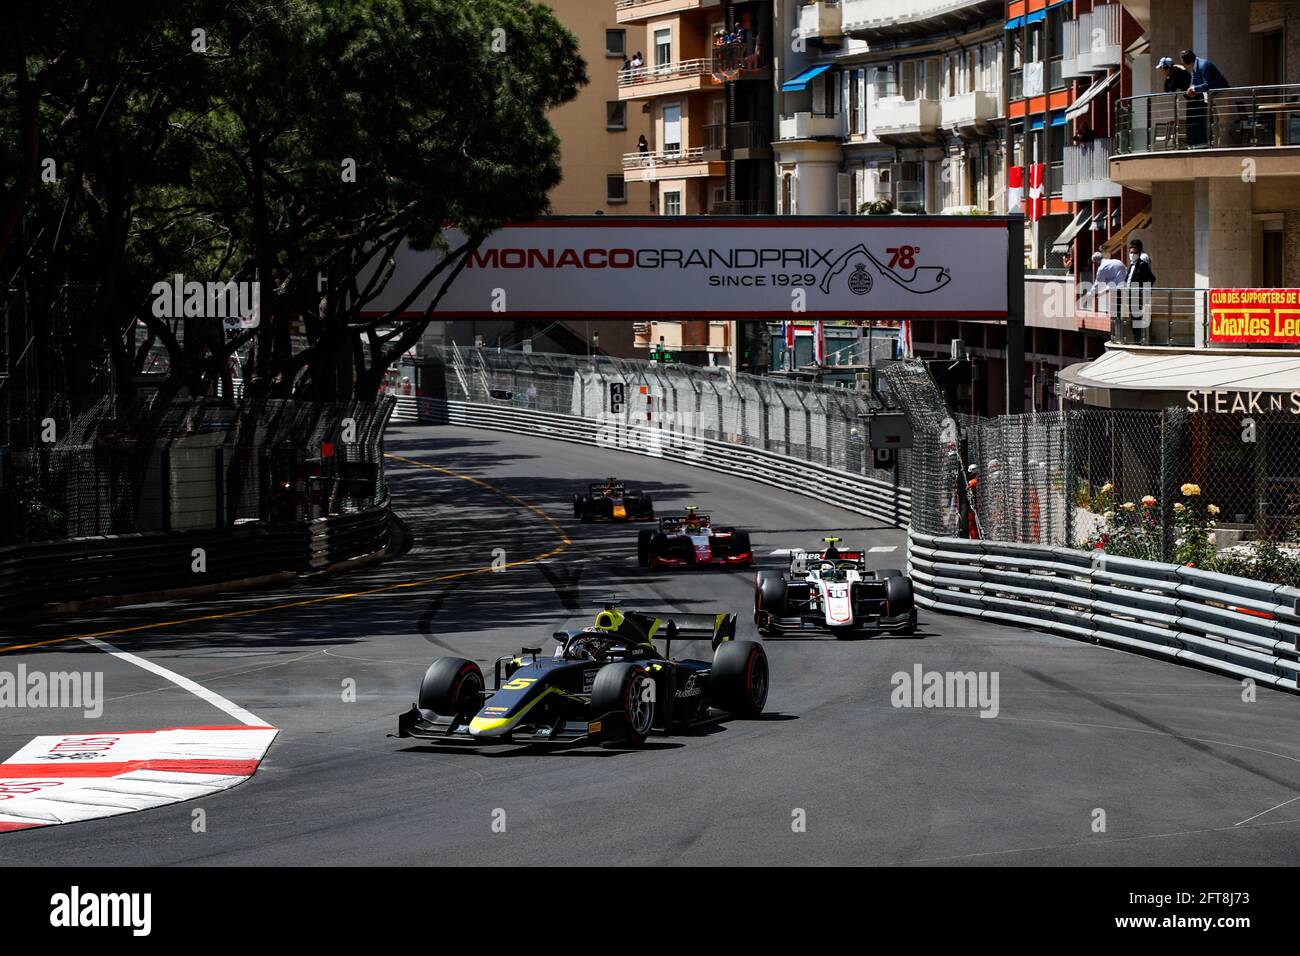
815, 436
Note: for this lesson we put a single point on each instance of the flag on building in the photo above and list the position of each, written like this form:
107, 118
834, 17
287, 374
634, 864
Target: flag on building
819, 343
1036, 208
905, 338
1015, 187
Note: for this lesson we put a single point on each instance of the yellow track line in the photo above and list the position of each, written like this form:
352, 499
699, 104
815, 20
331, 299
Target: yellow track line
226, 615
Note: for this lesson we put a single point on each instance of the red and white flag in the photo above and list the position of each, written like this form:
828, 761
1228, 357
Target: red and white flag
1015, 187
819, 343
1037, 205
905, 338
788, 328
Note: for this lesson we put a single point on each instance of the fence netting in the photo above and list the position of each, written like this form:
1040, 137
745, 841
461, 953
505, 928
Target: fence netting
822, 424
197, 463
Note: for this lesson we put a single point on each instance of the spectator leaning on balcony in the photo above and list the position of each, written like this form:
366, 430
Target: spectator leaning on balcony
1177, 80
1205, 78
1108, 274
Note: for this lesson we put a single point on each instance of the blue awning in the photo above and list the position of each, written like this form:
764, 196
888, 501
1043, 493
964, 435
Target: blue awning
1035, 16
1015, 23
1058, 119
1037, 124
801, 81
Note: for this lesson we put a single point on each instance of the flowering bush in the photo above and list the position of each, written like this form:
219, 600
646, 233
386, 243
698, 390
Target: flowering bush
1130, 533
1194, 541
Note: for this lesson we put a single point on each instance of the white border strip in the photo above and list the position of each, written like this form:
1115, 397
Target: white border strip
198, 690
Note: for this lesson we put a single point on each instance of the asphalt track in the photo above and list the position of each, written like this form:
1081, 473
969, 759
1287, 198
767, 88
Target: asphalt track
1186, 772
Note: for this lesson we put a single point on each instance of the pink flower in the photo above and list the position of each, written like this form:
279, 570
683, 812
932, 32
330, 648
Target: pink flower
1149, 501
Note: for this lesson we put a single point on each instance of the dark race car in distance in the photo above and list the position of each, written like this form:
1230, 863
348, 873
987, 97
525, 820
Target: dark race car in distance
605, 684
832, 591
609, 500
691, 540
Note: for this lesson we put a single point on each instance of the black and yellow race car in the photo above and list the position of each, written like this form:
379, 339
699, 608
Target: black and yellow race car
610, 500
605, 684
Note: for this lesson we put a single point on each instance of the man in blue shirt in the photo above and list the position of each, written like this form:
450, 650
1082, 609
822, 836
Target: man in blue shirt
1206, 77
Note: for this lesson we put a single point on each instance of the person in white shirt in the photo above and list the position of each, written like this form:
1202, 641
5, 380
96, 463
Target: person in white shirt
1108, 274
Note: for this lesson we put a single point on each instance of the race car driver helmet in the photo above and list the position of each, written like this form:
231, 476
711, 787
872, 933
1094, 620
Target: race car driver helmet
831, 553
692, 519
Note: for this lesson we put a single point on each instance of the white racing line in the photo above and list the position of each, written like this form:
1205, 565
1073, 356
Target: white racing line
198, 690
69, 778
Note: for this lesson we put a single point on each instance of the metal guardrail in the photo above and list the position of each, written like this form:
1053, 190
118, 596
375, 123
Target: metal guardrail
86, 569
1230, 625
856, 493
1241, 117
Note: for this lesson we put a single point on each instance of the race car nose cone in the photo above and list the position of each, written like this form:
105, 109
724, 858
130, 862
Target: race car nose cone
488, 726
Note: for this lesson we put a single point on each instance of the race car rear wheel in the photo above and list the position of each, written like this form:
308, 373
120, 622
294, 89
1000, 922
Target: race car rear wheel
643, 547
452, 687
898, 594
740, 544
769, 596
577, 506
739, 678
623, 699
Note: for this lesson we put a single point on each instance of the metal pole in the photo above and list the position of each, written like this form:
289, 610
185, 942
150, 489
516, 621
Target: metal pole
1015, 403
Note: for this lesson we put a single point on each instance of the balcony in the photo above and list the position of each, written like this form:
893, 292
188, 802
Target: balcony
881, 19
683, 76
1098, 47
715, 141
1087, 172
653, 166
906, 122
747, 140
741, 207
820, 20
810, 126
1169, 318
633, 11
971, 115
1167, 137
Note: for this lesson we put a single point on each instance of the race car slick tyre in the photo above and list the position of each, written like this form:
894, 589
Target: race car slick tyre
577, 506
452, 687
646, 507
739, 678
769, 595
643, 547
623, 700
898, 592
740, 543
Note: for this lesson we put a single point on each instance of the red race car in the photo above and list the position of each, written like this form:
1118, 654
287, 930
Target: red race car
690, 540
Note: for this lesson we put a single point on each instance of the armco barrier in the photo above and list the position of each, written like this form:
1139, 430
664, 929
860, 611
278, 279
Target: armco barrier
85, 570
1231, 625
858, 493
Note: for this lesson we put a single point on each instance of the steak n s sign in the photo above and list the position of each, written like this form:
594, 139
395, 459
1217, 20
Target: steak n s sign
1264, 316
715, 267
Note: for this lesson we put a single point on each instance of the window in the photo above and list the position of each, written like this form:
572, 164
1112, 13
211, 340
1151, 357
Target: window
673, 203
672, 141
664, 47
616, 43
615, 189
855, 104
615, 115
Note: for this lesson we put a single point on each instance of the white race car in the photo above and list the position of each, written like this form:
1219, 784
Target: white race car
832, 590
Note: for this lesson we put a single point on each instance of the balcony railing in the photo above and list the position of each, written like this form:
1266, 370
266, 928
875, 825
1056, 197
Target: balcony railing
1055, 180
820, 18
810, 125
1163, 317
1244, 117
741, 207
669, 157
715, 138
733, 60
967, 111
1087, 172
896, 116
680, 69
748, 135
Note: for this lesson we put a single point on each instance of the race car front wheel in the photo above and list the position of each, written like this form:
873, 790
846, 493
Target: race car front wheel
452, 687
623, 700
739, 678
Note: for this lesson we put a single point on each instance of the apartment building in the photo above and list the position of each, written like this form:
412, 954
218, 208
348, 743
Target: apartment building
1219, 176
704, 84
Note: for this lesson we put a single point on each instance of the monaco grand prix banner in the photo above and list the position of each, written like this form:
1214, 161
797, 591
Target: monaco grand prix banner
706, 267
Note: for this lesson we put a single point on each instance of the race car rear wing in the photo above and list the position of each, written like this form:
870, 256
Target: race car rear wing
670, 626
671, 523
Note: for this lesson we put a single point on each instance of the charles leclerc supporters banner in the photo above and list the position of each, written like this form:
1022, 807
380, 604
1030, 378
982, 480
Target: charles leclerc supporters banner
713, 267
